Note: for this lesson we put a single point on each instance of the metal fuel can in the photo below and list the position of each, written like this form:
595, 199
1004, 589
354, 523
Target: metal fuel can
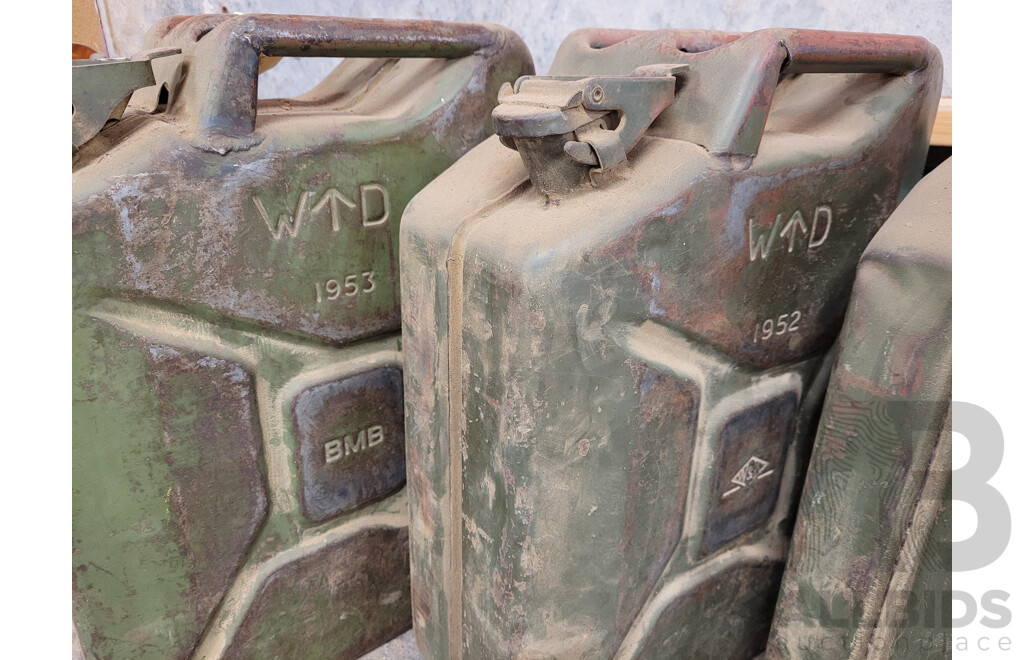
869, 569
617, 317
238, 446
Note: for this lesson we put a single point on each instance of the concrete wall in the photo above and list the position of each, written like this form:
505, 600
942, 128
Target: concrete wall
543, 23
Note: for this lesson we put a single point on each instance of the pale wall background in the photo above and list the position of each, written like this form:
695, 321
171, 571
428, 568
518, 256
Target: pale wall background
543, 23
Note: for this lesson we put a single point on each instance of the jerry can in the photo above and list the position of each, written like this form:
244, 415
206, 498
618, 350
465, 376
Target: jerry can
616, 315
870, 563
238, 447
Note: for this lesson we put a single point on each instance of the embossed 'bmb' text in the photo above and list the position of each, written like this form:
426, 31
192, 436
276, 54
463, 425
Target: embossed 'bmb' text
347, 445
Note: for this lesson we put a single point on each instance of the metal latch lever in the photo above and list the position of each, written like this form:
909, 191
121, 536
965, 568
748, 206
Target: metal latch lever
540, 106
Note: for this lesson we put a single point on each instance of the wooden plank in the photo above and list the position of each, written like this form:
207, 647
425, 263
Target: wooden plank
942, 131
85, 25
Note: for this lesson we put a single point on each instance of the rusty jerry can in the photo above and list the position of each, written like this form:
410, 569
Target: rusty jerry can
870, 562
238, 445
615, 339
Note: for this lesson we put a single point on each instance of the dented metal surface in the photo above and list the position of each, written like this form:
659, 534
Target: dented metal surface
612, 435
870, 562
237, 450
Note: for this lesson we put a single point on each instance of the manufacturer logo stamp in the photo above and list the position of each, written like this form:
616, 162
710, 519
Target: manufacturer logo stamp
752, 471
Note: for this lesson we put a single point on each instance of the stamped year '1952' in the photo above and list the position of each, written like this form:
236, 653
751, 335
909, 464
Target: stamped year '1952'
350, 286
785, 324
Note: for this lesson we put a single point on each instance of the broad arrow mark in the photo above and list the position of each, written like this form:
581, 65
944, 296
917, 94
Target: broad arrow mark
335, 199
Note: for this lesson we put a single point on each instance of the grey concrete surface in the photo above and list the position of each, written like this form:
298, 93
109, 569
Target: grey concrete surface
402, 647
544, 23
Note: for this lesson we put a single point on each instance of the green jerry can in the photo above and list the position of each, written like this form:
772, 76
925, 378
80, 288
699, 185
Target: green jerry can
870, 563
616, 339
238, 447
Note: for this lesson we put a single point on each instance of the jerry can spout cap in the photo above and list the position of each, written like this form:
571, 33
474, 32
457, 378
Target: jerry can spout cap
563, 127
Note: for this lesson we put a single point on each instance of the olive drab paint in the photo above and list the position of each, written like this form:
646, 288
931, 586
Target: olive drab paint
238, 445
617, 317
869, 576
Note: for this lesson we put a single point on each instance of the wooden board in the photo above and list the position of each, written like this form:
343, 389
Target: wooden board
85, 25
942, 131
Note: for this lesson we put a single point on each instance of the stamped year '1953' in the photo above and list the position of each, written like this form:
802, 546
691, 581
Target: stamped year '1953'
349, 287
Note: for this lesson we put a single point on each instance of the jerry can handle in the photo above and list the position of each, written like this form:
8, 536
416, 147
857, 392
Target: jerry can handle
728, 85
741, 78
173, 32
821, 51
220, 97
687, 41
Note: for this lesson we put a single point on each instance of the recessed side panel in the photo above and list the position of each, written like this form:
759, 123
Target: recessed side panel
659, 475
737, 602
752, 450
351, 442
339, 602
167, 473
